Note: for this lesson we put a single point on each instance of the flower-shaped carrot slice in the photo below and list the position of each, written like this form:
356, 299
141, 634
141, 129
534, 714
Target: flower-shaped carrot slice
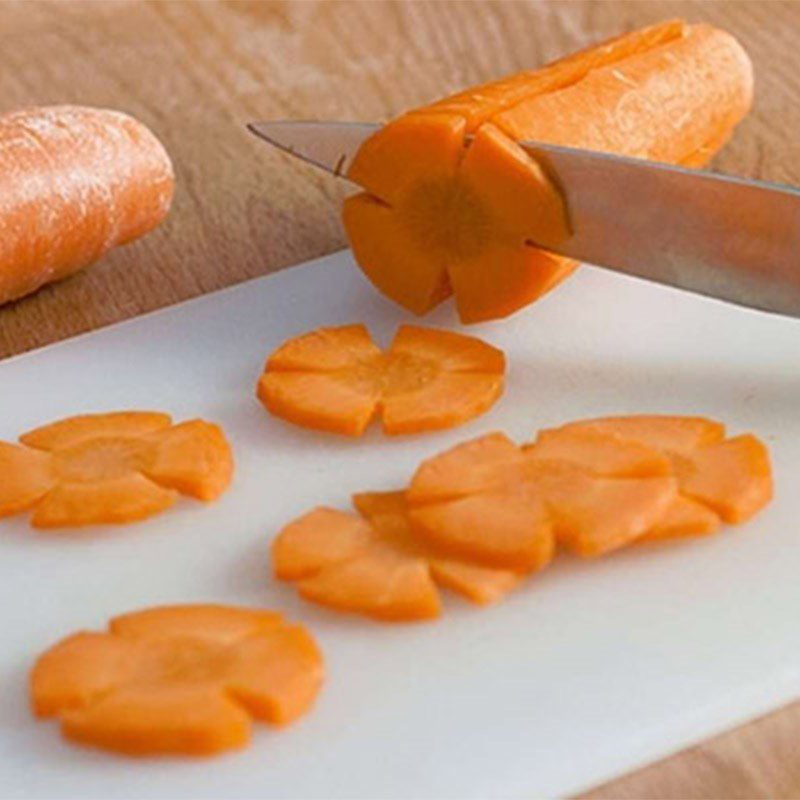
111, 468
178, 679
337, 380
374, 565
597, 485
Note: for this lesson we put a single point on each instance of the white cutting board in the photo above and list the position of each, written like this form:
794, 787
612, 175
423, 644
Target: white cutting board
589, 670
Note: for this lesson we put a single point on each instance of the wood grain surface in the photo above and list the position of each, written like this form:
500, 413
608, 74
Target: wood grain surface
196, 72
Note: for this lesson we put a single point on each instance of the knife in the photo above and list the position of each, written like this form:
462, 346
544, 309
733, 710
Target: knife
729, 238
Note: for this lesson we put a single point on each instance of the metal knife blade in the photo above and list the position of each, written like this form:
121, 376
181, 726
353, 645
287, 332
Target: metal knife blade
729, 238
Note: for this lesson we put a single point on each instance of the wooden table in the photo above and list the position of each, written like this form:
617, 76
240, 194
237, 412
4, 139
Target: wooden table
196, 72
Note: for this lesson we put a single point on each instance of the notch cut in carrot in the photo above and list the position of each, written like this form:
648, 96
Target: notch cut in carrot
373, 565
178, 679
453, 205
338, 380
111, 468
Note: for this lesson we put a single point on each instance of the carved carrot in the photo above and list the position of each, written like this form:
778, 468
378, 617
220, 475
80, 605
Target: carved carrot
111, 468
337, 379
178, 679
446, 214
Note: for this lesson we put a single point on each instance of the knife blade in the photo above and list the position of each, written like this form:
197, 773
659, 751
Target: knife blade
725, 237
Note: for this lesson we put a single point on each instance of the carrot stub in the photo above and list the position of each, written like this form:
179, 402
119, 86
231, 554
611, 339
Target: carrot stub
337, 380
74, 182
178, 679
452, 204
374, 565
111, 468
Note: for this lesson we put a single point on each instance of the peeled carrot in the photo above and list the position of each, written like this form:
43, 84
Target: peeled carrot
74, 182
111, 468
445, 214
178, 679
338, 380
374, 565
594, 486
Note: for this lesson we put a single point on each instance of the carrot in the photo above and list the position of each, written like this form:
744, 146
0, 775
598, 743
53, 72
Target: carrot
373, 564
338, 380
443, 214
111, 468
594, 486
74, 182
178, 679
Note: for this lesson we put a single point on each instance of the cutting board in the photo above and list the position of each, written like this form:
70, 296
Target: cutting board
589, 670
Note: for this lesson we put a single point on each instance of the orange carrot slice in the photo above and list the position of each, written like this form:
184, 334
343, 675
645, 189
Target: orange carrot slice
180, 679
111, 468
451, 203
594, 485
337, 380
374, 565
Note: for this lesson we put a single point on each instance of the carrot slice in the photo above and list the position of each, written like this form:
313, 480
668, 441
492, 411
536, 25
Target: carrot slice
426, 380
25, 477
374, 565
596, 485
74, 430
179, 679
733, 477
451, 200
111, 468
193, 457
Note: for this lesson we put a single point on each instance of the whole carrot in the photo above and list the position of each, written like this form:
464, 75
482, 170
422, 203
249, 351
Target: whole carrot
74, 182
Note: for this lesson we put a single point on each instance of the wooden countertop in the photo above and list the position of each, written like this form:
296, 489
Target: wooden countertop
196, 72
